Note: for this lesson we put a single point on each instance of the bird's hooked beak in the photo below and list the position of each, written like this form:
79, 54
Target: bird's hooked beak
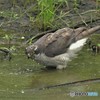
30, 51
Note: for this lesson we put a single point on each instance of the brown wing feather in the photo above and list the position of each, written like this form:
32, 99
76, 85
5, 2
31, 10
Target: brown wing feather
59, 33
55, 43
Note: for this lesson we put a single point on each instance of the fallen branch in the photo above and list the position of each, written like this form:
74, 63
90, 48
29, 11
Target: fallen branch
95, 80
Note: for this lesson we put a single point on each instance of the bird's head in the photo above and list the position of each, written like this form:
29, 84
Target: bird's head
31, 50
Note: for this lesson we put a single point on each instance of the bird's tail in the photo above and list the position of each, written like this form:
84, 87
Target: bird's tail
88, 32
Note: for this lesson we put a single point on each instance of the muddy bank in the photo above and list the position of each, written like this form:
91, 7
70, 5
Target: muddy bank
17, 15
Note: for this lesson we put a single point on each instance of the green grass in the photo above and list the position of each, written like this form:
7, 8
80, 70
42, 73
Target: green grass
46, 15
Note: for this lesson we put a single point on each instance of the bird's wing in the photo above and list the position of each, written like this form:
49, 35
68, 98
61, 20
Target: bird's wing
53, 44
59, 42
56, 43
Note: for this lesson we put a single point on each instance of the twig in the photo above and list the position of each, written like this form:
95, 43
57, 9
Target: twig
82, 18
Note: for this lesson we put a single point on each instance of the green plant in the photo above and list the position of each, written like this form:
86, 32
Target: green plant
9, 14
46, 15
75, 4
9, 50
97, 4
9, 39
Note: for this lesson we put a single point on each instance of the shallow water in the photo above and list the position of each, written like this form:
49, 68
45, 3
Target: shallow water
22, 78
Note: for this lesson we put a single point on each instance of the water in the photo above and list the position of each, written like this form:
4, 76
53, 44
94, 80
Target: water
21, 78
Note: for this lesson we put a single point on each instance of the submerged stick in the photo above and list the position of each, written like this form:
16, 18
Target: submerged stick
94, 80
81, 82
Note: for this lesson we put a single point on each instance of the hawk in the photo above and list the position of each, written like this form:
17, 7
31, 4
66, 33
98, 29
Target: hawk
56, 49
